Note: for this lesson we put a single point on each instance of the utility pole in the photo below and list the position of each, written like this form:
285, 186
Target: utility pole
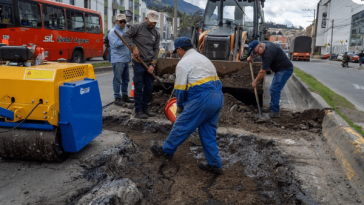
175, 20
332, 35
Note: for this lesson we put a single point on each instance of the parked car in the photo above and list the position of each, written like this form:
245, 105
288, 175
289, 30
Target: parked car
326, 56
355, 58
340, 57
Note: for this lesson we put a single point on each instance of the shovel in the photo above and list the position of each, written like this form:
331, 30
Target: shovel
259, 115
145, 66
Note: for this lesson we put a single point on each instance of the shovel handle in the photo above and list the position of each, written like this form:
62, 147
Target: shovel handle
255, 89
145, 65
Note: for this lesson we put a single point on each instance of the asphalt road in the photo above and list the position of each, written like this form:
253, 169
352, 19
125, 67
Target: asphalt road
105, 85
347, 82
96, 60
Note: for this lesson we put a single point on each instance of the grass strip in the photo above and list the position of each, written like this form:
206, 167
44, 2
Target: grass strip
103, 64
331, 98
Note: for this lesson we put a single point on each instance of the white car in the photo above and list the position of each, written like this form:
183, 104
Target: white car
340, 57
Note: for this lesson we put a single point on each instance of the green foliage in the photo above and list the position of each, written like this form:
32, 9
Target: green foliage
331, 98
186, 20
104, 64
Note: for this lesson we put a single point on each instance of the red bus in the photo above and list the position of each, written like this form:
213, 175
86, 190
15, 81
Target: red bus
64, 31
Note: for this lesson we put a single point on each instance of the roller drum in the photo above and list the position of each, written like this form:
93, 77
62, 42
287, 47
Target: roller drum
32, 144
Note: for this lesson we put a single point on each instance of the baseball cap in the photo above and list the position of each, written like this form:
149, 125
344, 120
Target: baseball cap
252, 46
120, 17
182, 42
153, 16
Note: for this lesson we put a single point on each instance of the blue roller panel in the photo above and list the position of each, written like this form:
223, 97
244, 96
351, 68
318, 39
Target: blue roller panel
6, 113
80, 117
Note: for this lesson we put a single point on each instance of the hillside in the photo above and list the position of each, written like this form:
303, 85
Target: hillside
182, 5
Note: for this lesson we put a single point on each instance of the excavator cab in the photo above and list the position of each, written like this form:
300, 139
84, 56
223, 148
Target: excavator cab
223, 37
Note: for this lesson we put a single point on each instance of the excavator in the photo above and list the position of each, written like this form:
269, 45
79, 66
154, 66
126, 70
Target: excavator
223, 36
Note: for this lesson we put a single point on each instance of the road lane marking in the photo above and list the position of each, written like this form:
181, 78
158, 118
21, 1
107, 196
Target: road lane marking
358, 87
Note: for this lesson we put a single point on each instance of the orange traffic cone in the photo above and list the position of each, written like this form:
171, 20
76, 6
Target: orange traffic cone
132, 90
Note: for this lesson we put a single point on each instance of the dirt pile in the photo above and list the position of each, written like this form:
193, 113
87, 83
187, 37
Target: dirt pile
238, 115
255, 170
240, 79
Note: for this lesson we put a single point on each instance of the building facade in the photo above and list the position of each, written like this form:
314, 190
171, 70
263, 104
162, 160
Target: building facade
136, 10
342, 23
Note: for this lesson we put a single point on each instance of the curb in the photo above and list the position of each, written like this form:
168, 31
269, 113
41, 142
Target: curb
347, 144
313, 100
103, 69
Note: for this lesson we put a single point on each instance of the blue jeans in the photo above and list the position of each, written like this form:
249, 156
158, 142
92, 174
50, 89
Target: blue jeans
360, 61
279, 81
143, 86
202, 113
109, 52
121, 78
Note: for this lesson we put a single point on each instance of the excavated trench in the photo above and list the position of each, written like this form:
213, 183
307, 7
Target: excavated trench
256, 171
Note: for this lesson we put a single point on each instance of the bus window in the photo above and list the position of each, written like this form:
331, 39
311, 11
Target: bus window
53, 18
29, 14
5, 15
92, 23
75, 21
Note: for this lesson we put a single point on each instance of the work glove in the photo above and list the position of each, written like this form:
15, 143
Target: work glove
178, 112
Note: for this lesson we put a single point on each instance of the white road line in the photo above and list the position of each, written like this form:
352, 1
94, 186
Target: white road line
358, 87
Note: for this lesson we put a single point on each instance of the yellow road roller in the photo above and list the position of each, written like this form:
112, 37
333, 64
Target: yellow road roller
46, 111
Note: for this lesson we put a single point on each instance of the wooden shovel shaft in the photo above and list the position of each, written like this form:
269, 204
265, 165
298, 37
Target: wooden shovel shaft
145, 65
255, 89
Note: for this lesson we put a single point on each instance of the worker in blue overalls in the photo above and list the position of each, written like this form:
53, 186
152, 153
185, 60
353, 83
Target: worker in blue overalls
199, 102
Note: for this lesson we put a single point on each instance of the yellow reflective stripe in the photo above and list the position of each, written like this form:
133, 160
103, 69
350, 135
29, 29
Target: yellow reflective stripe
180, 87
202, 81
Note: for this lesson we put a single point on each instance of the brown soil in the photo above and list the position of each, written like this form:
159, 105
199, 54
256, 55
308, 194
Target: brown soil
240, 79
255, 171
238, 115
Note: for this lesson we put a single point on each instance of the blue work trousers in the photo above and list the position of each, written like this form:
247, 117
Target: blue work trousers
360, 61
143, 86
121, 79
202, 113
279, 81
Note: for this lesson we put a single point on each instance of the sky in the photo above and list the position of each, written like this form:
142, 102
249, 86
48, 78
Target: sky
282, 11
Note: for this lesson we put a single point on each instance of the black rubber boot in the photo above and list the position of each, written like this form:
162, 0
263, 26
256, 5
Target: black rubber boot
119, 101
150, 114
158, 151
274, 115
126, 99
208, 168
140, 115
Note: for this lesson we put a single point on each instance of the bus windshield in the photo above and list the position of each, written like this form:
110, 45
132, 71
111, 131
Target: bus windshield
5, 16
234, 12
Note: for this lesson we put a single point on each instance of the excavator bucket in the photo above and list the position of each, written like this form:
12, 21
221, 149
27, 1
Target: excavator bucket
235, 77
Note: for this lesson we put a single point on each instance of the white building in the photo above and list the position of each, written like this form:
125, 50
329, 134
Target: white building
110, 8
343, 18
137, 9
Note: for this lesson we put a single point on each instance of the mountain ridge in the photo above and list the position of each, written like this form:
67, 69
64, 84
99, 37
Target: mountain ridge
182, 5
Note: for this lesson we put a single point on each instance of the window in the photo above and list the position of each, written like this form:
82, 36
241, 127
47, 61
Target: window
92, 23
136, 17
130, 3
29, 14
136, 6
72, 2
114, 12
5, 15
75, 21
53, 18
105, 11
86, 4
121, 2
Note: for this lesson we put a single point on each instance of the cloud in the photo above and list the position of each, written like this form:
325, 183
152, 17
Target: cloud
279, 11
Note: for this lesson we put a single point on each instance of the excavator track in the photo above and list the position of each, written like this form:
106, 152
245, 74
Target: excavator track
32, 144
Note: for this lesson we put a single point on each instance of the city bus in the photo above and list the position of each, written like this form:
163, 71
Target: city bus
64, 31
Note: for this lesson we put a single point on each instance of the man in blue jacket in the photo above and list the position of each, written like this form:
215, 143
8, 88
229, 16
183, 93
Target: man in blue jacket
199, 101
275, 59
120, 58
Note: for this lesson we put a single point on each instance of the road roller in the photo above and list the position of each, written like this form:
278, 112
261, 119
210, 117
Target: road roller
47, 109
